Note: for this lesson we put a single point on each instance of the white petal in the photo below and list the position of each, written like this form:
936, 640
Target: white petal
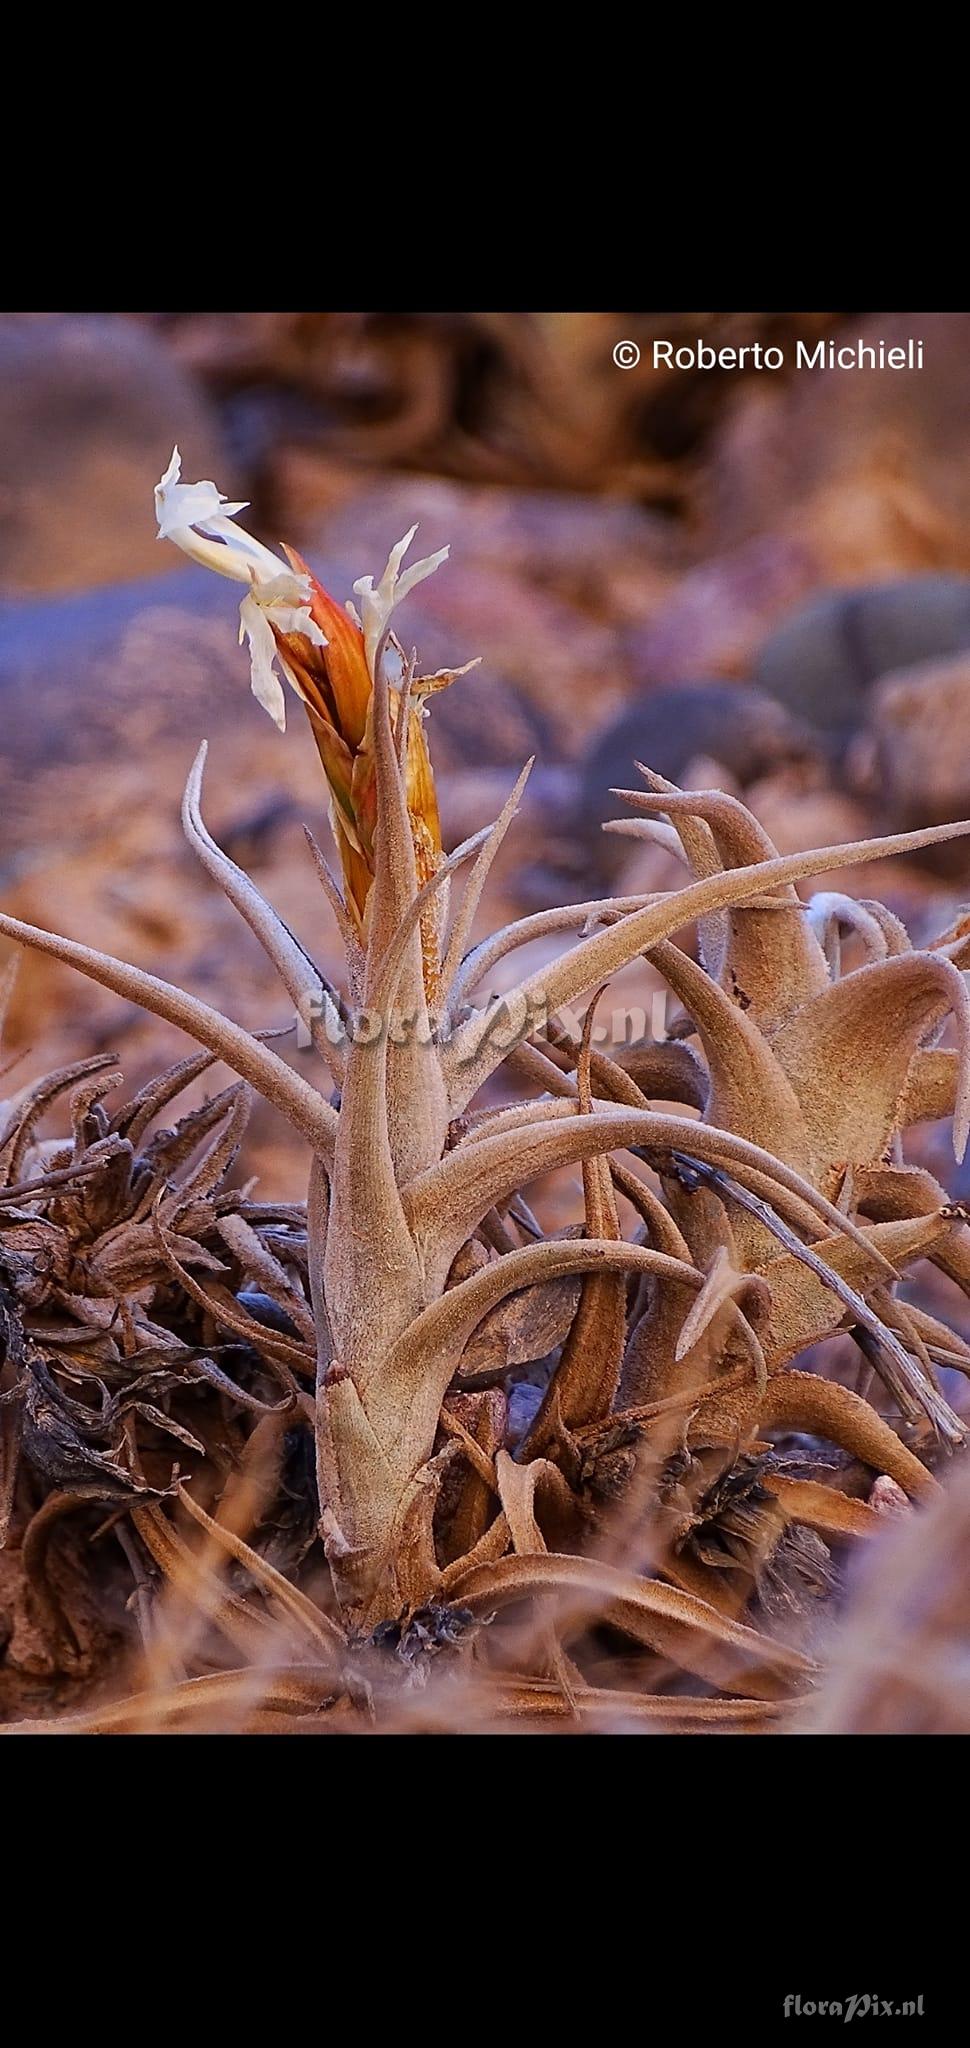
417, 574
377, 605
192, 505
266, 686
288, 598
178, 504
225, 559
281, 603
396, 557
290, 619
199, 519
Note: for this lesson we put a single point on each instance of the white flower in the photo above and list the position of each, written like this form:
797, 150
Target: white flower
377, 605
202, 523
179, 506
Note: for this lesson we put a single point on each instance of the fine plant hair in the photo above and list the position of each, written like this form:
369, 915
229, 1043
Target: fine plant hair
645, 1553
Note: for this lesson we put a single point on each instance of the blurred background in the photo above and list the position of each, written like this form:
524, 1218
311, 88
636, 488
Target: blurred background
755, 579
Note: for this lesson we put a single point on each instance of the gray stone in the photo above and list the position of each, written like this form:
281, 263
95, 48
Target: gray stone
747, 732
823, 663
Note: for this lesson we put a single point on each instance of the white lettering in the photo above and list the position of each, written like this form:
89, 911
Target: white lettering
805, 361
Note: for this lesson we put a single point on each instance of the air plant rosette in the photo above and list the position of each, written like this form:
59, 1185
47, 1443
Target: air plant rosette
653, 1547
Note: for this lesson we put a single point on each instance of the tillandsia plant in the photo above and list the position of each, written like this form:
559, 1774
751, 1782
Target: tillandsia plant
647, 1498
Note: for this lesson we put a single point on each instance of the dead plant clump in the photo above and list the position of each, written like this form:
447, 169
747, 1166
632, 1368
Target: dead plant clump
264, 1466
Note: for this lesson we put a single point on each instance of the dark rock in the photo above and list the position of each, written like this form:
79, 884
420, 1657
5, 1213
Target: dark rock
73, 669
748, 733
823, 663
525, 1401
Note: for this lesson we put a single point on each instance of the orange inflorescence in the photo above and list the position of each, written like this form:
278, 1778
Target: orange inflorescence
335, 685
